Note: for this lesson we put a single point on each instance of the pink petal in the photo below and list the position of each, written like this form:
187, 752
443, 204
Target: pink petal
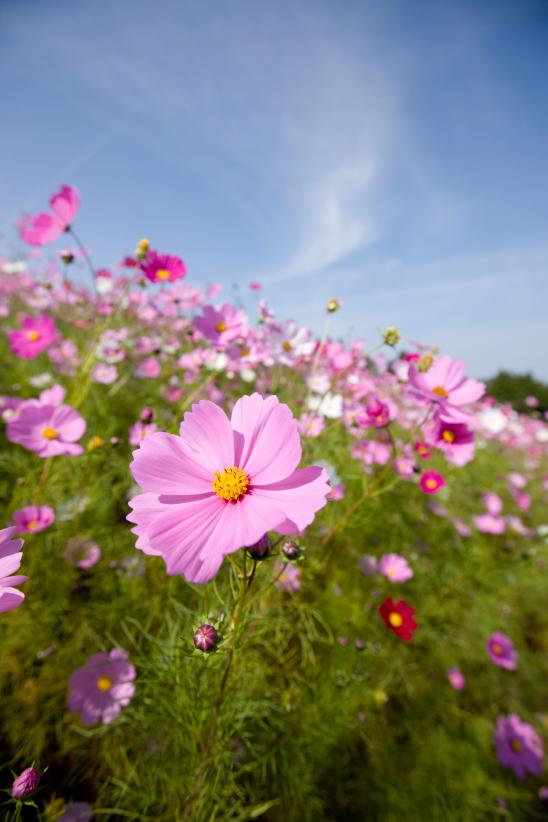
163, 465
299, 496
10, 598
208, 437
269, 448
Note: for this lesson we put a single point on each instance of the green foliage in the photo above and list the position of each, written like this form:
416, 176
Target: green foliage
515, 388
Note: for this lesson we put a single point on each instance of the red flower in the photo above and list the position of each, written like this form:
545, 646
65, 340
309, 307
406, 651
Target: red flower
398, 616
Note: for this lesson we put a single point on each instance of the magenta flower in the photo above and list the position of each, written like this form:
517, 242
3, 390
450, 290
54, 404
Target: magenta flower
519, 747
455, 439
456, 679
221, 325
102, 688
446, 387
33, 518
395, 568
47, 429
10, 560
36, 334
502, 652
376, 414
163, 268
25, 784
431, 482
222, 484
46, 227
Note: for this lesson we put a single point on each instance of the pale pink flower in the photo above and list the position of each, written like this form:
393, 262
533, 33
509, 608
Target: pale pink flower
395, 568
10, 560
47, 429
446, 386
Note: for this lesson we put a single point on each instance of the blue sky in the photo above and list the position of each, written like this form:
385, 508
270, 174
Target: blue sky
393, 154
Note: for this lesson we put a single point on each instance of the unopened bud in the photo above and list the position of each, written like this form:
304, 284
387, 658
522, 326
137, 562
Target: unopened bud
146, 415
425, 362
261, 548
205, 638
391, 336
25, 784
333, 305
66, 256
142, 248
291, 550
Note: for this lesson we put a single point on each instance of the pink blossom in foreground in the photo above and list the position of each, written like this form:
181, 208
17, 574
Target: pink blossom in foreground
49, 430
502, 652
36, 335
431, 482
33, 518
102, 688
519, 747
395, 568
10, 560
163, 268
446, 387
222, 484
46, 227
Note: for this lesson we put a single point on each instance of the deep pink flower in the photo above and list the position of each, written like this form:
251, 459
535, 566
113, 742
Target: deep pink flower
446, 386
47, 429
222, 484
25, 784
46, 227
502, 652
376, 414
163, 268
455, 439
395, 568
519, 747
431, 482
102, 688
33, 518
10, 560
36, 334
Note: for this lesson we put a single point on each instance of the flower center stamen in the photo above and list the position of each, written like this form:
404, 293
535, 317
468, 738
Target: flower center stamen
395, 619
33, 336
231, 484
497, 649
220, 327
287, 346
104, 683
440, 391
516, 745
448, 436
50, 433
163, 274
32, 524
431, 483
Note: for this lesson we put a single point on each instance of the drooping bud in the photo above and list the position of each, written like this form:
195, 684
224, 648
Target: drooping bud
25, 784
291, 550
391, 336
205, 638
261, 548
333, 305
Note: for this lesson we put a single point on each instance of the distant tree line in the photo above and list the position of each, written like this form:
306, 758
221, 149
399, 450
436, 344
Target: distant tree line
517, 389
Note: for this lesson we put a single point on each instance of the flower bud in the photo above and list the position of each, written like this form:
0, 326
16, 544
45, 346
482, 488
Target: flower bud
142, 249
67, 256
261, 548
290, 549
205, 638
333, 305
391, 336
25, 784
146, 415
425, 362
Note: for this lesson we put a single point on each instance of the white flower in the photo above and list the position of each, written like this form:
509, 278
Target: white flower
493, 420
329, 405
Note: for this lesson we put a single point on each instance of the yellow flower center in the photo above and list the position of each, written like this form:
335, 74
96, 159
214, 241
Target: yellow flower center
440, 391
516, 745
431, 483
104, 683
395, 619
33, 336
448, 436
497, 649
231, 484
32, 524
220, 327
50, 433
163, 274
287, 346
245, 352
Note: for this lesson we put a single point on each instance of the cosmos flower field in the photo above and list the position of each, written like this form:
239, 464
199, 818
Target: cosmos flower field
251, 573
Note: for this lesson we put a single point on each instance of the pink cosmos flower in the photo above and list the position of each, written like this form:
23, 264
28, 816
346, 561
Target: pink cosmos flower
149, 368
221, 325
519, 747
10, 560
456, 679
32, 519
431, 482
163, 268
502, 652
35, 335
140, 430
455, 439
488, 524
376, 414
222, 484
47, 429
46, 227
104, 374
395, 568
255, 286
446, 387
82, 553
311, 425
102, 688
